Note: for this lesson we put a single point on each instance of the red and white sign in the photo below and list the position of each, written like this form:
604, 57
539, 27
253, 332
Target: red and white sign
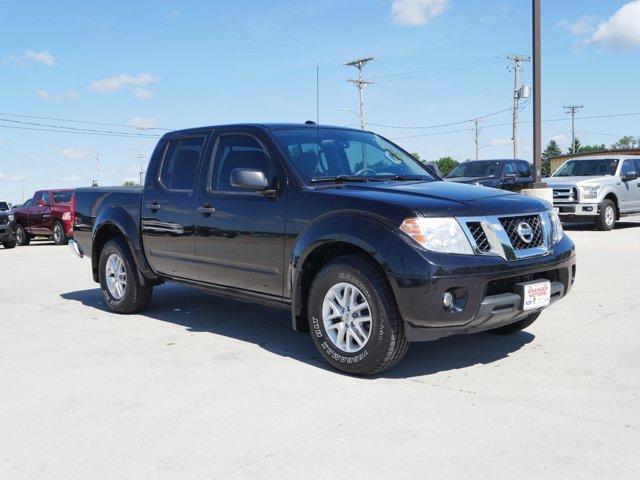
537, 295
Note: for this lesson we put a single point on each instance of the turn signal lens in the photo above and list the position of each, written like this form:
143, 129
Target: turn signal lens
438, 234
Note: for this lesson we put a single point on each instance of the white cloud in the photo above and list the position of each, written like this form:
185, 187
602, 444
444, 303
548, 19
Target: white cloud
2, 175
496, 142
621, 28
414, 13
173, 14
142, 93
143, 122
57, 97
18, 178
74, 153
584, 25
43, 57
123, 80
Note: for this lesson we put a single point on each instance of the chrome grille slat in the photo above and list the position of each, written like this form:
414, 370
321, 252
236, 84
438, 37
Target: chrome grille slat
510, 225
480, 237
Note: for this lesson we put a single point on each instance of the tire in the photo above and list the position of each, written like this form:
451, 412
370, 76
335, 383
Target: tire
385, 344
606, 219
11, 244
22, 237
135, 295
517, 326
59, 237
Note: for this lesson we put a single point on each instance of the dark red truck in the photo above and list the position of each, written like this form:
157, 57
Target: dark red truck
47, 214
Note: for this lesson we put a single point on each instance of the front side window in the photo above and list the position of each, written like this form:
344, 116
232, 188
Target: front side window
598, 167
238, 151
627, 166
524, 170
324, 154
180, 163
26, 204
476, 168
46, 198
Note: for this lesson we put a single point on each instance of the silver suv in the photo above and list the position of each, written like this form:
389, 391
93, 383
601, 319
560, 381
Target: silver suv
601, 188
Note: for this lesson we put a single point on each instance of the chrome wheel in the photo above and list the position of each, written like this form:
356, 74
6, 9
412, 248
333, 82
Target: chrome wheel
20, 236
609, 215
116, 276
346, 317
57, 233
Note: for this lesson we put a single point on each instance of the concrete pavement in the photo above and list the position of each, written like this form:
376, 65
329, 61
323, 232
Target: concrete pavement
200, 387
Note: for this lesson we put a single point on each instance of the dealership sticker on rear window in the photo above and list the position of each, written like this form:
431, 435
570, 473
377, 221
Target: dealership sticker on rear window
537, 295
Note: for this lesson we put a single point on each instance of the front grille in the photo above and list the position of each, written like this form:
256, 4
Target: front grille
511, 224
565, 194
480, 237
507, 285
4, 220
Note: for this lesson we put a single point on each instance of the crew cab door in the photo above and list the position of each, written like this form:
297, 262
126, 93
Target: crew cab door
630, 186
509, 177
168, 207
240, 231
40, 214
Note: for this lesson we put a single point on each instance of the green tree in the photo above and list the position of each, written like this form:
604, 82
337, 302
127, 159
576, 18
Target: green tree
576, 146
129, 183
416, 155
626, 142
552, 150
592, 148
446, 164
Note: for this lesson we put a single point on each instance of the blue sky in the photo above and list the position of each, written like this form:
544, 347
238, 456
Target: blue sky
170, 64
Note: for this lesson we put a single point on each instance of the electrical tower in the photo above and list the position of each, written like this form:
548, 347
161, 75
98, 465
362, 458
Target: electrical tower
572, 109
360, 82
519, 92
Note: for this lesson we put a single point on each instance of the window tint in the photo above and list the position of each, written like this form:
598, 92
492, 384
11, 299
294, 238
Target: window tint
508, 168
62, 197
524, 170
240, 151
180, 163
46, 198
627, 166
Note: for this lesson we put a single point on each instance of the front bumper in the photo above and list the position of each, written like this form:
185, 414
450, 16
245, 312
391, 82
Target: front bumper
577, 209
7, 233
488, 287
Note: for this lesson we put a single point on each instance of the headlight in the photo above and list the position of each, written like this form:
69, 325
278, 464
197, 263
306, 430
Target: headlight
66, 216
438, 234
556, 228
589, 191
11, 217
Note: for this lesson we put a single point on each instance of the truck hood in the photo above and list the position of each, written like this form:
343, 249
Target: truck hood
469, 179
572, 181
443, 198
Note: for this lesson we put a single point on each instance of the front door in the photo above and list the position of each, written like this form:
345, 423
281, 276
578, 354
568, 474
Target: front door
509, 177
40, 214
240, 233
168, 208
630, 189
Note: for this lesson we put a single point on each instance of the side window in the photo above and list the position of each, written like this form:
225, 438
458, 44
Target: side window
46, 198
26, 204
638, 166
36, 198
240, 151
508, 169
627, 166
524, 170
180, 163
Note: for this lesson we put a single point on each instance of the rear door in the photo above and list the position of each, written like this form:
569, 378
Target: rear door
524, 177
168, 207
240, 233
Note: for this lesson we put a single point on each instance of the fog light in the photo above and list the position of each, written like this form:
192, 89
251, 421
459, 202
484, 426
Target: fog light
447, 299
588, 209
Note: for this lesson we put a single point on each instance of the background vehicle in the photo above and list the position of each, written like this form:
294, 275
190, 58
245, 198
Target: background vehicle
7, 226
368, 249
508, 174
601, 189
47, 214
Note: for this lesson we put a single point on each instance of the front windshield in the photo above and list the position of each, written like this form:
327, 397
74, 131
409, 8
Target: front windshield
594, 167
476, 169
4, 206
320, 154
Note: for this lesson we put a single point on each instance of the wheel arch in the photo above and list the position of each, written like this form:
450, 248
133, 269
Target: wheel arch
611, 195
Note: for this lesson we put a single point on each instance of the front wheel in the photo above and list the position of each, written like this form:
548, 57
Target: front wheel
120, 280
606, 220
11, 244
22, 238
59, 238
517, 326
353, 318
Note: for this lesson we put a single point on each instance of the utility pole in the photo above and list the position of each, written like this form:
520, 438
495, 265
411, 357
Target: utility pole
360, 82
519, 92
537, 97
572, 109
476, 121
141, 157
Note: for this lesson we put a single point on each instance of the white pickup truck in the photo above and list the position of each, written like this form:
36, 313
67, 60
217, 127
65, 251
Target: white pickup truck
602, 188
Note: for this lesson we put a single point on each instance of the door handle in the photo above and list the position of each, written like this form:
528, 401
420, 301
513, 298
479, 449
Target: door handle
206, 210
154, 206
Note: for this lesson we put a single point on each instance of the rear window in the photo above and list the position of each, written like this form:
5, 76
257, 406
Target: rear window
180, 163
62, 197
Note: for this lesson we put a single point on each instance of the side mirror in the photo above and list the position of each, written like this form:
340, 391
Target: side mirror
249, 179
630, 176
509, 176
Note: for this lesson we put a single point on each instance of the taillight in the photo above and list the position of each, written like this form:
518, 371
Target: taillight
72, 213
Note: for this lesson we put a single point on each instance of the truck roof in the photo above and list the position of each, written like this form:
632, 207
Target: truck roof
264, 126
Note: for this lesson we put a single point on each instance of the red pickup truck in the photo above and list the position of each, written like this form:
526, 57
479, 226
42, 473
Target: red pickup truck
47, 214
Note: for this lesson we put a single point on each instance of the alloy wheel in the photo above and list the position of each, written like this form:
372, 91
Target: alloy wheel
346, 317
116, 276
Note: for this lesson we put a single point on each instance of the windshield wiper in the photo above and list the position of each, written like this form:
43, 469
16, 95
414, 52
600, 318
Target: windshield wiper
400, 178
341, 178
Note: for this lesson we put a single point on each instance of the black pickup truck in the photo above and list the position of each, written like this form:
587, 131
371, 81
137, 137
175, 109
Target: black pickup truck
367, 246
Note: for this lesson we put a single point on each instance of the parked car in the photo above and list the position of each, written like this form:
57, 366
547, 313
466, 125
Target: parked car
368, 249
47, 214
601, 189
7, 226
513, 175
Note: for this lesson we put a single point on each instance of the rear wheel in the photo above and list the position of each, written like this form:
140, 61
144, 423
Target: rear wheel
11, 244
120, 279
517, 326
606, 220
353, 318
59, 238
22, 238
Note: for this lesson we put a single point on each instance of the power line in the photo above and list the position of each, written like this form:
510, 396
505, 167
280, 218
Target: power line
79, 132
424, 127
73, 129
88, 122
